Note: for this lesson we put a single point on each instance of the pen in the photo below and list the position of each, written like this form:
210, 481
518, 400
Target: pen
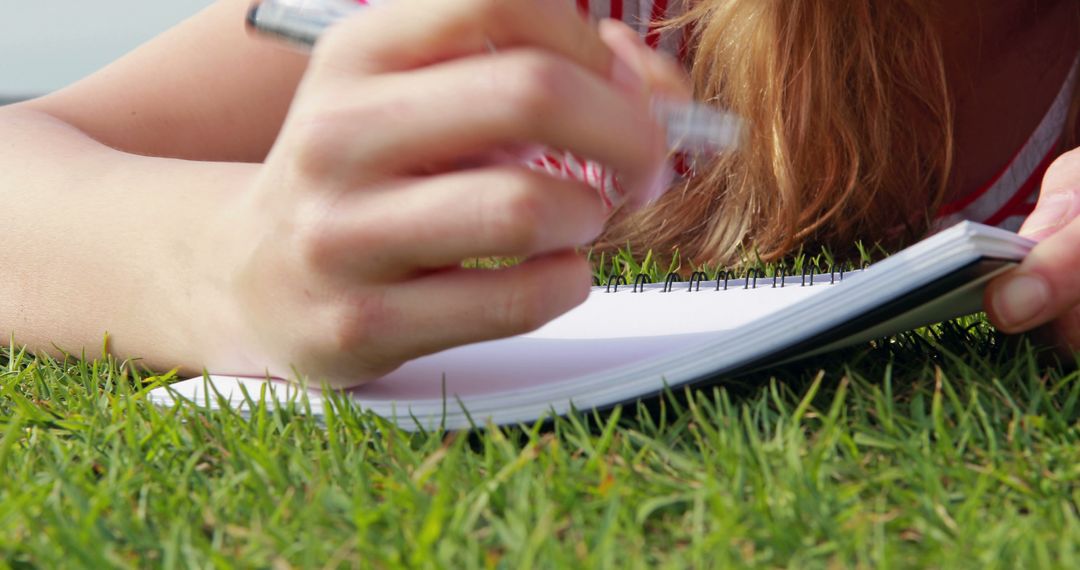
691, 127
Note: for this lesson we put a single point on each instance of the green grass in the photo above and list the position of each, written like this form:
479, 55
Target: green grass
949, 447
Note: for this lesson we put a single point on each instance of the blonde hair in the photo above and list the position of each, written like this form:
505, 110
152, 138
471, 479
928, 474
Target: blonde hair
850, 129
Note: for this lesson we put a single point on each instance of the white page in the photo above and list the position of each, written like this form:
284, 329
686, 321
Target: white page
602, 359
611, 330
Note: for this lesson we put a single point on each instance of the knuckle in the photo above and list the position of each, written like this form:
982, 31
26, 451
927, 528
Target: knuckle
361, 320
535, 86
314, 247
315, 242
578, 279
330, 133
323, 241
524, 308
315, 152
574, 274
529, 302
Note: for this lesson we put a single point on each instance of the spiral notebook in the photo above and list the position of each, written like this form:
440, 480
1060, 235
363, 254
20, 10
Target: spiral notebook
633, 341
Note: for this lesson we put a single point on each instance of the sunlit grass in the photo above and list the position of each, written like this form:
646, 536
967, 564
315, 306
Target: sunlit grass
951, 446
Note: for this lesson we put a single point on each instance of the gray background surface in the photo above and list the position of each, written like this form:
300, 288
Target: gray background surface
46, 44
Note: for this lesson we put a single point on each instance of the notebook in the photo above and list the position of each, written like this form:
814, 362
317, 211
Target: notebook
630, 342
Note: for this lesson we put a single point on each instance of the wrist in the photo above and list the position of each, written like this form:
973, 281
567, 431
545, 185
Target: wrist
218, 339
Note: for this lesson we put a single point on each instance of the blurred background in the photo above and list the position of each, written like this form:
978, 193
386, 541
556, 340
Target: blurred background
46, 44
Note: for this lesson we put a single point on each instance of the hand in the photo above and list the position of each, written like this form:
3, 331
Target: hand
663, 75
345, 252
1045, 288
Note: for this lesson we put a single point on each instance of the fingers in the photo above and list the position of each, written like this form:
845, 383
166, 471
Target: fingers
1047, 284
664, 79
366, 332
371, 332
399, 36
1054, 210
1059, 198
464, 306
405, 123
437, 222
663, 75
1044, 286
553, 83
385, 177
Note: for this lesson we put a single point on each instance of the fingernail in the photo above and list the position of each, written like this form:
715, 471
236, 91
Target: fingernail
624, 76
1020, 299
1053, 211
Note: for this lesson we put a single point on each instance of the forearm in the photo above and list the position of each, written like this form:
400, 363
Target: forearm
100, 241
333, 259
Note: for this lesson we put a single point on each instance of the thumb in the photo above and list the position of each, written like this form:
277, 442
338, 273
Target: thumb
1055, 209
1043, 287
1059, 201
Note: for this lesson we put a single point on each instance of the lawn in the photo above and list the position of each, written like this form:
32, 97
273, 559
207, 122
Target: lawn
947, 447
951, 446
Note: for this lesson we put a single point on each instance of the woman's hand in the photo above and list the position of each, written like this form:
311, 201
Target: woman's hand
344, 256
1045, 288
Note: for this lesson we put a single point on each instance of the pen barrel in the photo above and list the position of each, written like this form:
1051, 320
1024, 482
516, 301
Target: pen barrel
299, 22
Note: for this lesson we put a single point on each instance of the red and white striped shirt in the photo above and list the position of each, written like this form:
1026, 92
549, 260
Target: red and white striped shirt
640, 15
1008, 198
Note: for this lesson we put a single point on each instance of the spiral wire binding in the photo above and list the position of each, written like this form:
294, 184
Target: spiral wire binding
641, 280
781, 273
836, 273
725, 274
755, 273
670, 281
617, 279
696, 278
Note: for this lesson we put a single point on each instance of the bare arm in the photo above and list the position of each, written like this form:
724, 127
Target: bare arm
184, 202
100, 239
204, 90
